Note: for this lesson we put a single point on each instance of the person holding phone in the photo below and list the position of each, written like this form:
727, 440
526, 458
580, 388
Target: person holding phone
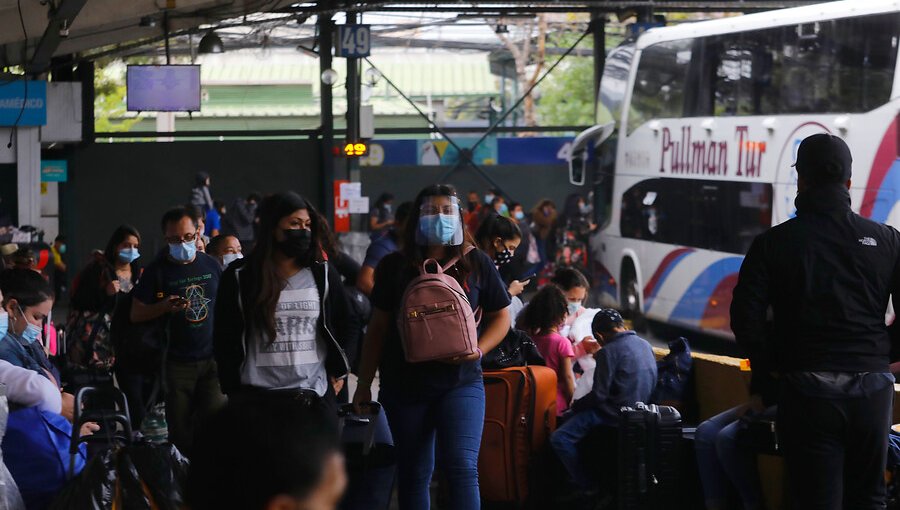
181, 284
499, 237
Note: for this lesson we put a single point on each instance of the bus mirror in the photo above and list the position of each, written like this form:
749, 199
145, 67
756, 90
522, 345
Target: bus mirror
577, 168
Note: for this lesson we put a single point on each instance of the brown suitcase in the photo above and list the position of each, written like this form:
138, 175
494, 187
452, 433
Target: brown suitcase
520, 415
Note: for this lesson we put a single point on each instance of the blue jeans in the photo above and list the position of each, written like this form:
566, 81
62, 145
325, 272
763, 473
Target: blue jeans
565, 442
722, 457
452, 421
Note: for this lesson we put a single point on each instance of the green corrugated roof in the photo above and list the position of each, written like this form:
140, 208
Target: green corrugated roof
417, 74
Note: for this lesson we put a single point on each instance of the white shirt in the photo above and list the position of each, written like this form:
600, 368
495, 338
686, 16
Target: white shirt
29, 388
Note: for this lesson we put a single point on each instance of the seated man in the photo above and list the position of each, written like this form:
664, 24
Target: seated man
268, 451
625, 374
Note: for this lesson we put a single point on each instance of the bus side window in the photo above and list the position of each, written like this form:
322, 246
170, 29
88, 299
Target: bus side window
660, 83
706, 214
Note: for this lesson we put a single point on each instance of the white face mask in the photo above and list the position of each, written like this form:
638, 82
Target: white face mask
228, 258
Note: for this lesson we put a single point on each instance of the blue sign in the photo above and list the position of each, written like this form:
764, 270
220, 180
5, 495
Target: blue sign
23, 103
353, 41
493, 151
54, 170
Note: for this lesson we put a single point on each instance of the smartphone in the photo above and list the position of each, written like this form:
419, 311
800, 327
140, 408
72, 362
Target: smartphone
529, 275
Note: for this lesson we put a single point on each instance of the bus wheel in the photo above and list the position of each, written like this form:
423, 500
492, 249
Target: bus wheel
631, 301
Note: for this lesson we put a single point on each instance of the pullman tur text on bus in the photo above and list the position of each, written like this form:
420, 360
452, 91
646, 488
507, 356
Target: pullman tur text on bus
697, 128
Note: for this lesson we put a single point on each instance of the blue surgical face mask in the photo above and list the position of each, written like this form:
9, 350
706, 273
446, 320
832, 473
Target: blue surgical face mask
31, 332
129, 255
488, 198
519, 215
574, 307
439, 229
4, 323
183, 252
504, 209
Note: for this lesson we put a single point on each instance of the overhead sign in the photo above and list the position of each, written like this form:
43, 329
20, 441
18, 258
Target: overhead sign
54, 170
23, 103
353, 41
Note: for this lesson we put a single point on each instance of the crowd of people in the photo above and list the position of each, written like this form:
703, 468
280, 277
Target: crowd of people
251, 355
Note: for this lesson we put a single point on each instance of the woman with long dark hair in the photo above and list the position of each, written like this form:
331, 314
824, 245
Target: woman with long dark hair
281, 312
96, 292
436, 404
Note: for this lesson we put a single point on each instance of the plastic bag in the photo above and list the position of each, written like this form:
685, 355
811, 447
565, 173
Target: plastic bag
10, 499
36, 451
580, 329
143, 476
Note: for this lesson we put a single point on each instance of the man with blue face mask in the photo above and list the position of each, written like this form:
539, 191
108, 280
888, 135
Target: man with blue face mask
180, 286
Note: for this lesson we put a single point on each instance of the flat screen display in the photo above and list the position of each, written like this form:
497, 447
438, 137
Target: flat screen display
169, 88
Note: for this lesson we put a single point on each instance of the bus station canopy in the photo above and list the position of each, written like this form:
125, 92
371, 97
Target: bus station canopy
53, 28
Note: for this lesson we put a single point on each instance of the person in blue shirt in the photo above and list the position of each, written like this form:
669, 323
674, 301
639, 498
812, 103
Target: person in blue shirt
381, 247
27, 299
625, 375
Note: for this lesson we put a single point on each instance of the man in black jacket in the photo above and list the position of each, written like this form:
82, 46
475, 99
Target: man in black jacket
827, 275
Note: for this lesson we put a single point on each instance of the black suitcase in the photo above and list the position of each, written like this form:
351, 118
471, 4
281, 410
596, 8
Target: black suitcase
649, 457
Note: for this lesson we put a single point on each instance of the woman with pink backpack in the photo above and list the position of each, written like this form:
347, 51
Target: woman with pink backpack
438, 305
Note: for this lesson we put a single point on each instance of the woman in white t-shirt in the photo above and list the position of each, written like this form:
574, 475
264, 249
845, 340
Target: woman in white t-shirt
281, 313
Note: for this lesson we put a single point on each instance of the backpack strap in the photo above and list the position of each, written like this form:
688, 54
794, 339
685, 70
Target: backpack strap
468, 249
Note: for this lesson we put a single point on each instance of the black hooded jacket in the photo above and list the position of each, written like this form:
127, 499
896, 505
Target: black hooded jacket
336, 324
827, 275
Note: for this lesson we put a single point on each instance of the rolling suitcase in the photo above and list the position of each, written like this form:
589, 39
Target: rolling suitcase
520, 415
649, 457
370, 458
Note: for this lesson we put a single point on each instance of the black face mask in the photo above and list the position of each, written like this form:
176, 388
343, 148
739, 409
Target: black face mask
296, 243
503, 257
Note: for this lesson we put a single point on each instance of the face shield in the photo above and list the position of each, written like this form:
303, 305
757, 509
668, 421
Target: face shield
440, 223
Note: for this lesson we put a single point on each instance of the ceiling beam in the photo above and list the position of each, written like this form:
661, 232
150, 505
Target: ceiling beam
57, 29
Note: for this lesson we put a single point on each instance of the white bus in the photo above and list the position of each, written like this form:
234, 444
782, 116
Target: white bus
698, 128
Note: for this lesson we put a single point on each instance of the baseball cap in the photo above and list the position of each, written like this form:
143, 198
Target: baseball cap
824, 158
607, 319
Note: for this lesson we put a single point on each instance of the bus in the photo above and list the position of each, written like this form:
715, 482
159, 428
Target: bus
697, 128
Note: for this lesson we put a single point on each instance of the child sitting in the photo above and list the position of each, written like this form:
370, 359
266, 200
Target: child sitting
542, 319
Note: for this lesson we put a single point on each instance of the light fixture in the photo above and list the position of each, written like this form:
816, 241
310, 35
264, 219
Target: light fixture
372, 76
501, 29
329, 77
148, 22
210, 43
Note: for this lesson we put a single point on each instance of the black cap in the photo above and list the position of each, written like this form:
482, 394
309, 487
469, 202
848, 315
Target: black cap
823, 159
607, 319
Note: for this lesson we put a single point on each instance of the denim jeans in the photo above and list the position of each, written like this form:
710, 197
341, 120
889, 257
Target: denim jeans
451, 422
723, 457
565, 443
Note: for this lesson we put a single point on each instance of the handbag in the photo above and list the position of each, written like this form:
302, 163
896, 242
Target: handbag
517, 349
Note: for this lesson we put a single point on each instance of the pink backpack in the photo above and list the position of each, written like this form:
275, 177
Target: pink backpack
436, 320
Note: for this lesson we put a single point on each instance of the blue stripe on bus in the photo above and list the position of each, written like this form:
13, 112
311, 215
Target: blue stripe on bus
887, 194
693, 303
651, 296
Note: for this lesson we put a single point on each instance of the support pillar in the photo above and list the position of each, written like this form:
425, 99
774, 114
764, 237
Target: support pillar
28, 174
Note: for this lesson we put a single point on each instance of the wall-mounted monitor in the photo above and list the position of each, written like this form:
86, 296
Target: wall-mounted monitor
168, 88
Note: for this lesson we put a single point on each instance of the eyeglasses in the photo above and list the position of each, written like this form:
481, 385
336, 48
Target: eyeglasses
187, 238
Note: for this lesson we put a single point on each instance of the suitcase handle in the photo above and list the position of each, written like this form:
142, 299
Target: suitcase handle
347, 414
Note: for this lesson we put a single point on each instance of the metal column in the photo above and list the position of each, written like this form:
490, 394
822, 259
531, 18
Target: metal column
28, 174
353, 101
598, 29
326, 27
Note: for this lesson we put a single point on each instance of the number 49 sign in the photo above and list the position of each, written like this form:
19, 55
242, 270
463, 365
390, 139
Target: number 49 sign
353, 41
